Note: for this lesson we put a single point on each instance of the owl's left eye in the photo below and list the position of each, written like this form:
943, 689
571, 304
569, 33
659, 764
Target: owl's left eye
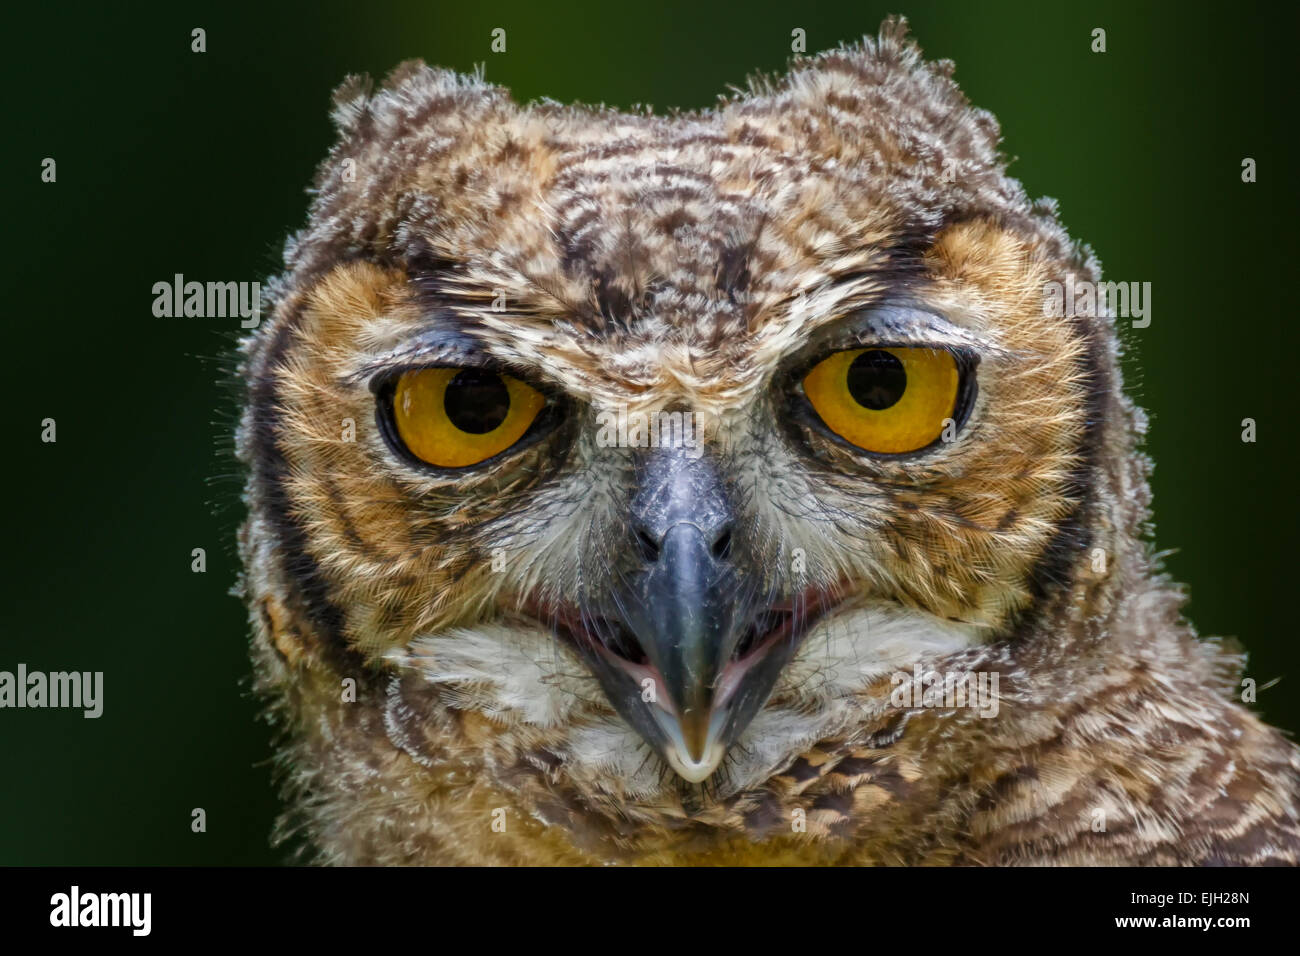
885, 400
457, 417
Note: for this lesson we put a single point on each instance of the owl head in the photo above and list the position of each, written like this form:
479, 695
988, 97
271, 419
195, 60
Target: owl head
611, 454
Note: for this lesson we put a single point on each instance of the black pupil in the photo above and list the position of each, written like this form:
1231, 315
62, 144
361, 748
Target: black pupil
476, 401
877, 380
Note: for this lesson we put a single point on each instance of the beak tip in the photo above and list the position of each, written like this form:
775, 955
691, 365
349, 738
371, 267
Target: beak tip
695, 770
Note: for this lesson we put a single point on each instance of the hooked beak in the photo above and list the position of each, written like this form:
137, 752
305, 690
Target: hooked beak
684, 650
682, 615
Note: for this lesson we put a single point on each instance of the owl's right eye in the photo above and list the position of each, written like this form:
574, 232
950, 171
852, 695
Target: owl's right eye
457, 417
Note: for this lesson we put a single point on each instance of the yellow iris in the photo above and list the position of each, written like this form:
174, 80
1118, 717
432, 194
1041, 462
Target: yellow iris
889, 400
456, 417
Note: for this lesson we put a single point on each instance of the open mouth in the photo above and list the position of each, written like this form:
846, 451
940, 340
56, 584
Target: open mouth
743, 681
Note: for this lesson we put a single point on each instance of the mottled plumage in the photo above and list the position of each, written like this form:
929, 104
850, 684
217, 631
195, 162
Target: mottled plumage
691, 262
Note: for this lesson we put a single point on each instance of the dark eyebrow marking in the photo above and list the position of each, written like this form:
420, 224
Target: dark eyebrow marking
423, 262
434, 279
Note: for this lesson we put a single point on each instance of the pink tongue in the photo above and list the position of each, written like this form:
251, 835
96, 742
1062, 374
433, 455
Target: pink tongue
735, 671
641, 673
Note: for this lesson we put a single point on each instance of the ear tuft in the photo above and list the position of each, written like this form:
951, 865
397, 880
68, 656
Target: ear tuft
412, 72
351, 99
893, 32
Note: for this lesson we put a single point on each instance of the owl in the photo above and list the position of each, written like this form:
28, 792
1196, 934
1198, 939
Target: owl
717, 488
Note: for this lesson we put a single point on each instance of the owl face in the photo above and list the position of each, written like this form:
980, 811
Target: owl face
661, 443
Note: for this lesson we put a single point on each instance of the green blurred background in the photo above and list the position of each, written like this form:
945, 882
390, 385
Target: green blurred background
170, 161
